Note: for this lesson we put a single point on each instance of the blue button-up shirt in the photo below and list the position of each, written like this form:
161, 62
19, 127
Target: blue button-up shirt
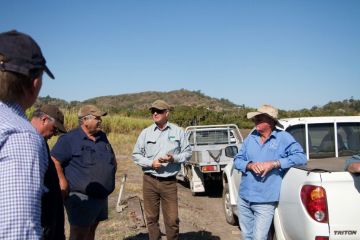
153, 143
23, 162
279, 146
89, 166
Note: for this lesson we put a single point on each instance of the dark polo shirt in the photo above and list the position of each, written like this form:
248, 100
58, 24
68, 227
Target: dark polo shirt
89, 166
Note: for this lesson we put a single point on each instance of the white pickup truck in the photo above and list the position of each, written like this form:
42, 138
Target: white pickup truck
213, 147
320, 200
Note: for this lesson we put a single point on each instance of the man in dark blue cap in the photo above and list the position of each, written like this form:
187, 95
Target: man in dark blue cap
23, 153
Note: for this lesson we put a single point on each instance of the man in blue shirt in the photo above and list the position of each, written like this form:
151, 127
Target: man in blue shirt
23, 153
86, 166
160, 150
263, 158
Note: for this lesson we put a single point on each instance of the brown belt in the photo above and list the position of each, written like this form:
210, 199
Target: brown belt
171, 178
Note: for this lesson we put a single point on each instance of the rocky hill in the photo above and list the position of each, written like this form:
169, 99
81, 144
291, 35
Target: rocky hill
143, 100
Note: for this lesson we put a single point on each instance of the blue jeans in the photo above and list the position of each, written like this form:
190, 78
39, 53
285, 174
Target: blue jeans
255, 219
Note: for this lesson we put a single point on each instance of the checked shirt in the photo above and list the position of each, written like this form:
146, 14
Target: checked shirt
23, 162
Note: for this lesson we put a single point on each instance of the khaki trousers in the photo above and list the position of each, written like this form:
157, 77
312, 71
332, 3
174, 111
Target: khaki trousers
164, 192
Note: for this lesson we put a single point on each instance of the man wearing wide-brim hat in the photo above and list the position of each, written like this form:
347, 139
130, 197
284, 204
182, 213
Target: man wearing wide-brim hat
160, 150
263, 158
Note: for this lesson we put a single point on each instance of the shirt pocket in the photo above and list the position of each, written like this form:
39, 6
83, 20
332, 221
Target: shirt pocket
151, 148
84, 156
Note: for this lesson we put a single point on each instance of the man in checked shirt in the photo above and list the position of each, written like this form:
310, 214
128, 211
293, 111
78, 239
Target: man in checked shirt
23, 153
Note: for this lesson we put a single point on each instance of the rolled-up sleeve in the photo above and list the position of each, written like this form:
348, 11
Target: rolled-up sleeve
294, 155
353, 159
138, 154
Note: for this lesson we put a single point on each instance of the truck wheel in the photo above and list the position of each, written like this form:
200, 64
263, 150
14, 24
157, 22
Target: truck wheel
229, 215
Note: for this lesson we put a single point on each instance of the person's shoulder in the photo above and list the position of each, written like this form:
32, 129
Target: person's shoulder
69, 136
149, 128
102, 135
175, 127
13, 123
72, 132
284, 136
281, 133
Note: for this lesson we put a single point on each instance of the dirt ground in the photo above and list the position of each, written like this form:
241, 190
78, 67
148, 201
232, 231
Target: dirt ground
201, 217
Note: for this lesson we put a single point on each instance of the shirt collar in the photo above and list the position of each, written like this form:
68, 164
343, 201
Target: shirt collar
84, 136
15, 107
155, 127
272, 135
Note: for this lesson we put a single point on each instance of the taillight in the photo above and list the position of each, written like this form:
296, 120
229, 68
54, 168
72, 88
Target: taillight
314, 200
321, 238
210, 168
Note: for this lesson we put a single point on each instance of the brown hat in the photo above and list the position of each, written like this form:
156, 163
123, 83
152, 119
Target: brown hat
55, 113
268, 110
90, 110
160, 104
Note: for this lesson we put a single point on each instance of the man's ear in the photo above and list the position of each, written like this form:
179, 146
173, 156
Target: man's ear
36, 85
43, 119
31, 92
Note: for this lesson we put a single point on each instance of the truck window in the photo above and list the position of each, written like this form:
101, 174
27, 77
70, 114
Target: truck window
321, 140
298, 132
209, 137
349, 134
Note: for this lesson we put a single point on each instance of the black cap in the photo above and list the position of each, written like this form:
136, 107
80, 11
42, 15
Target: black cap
22, 54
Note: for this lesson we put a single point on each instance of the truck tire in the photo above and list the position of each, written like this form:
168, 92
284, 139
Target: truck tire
229, 215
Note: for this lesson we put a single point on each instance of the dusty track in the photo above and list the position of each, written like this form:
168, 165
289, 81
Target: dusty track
201, 217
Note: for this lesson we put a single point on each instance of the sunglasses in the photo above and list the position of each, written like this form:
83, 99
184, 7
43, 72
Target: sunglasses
158, 111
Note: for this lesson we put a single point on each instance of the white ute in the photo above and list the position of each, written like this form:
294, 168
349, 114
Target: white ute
319, 201
213, 147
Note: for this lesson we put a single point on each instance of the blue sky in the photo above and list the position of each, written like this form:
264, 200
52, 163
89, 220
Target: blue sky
292, 54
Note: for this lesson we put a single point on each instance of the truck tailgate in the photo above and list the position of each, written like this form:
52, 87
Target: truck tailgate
343, 199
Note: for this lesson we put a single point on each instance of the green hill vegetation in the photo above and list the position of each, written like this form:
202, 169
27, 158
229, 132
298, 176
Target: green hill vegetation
189, 108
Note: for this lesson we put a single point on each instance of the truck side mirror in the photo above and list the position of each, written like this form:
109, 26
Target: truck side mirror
231, 151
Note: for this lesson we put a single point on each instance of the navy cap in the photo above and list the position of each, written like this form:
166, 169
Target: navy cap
21, 54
